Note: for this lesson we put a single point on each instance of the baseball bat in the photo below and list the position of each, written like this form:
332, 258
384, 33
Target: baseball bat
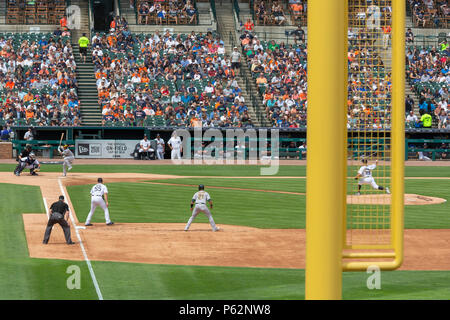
60, 140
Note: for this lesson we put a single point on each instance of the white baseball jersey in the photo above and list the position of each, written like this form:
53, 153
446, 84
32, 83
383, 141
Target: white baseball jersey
366, 171
145, 144
67, 153
201, 197
159, 143
175, 142
99, 190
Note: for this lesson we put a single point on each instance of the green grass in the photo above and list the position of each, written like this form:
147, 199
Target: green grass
140, 202
20, 276
219, 170
211, 283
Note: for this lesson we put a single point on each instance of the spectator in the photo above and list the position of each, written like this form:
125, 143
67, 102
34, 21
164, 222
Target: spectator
409, 36
5, 133
236, 60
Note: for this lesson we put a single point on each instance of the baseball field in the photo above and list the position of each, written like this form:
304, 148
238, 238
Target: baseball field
257, 254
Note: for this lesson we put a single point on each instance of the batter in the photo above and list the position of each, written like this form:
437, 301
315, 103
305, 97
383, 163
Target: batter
68, 158
365, 177
199, 199
98, 192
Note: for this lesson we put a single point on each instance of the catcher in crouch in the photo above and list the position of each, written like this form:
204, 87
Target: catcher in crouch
29, 162
365, 177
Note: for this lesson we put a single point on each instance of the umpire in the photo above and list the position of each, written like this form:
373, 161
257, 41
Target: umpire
58, 209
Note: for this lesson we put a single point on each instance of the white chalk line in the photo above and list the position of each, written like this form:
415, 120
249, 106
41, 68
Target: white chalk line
46, 208
88, 262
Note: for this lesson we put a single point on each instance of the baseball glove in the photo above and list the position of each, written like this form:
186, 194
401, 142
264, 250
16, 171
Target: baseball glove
37, 169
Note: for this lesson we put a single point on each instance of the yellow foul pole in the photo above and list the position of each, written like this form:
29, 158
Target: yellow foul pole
327, 145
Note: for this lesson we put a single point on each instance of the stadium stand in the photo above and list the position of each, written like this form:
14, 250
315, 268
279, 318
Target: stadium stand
35, 12
166, 12
166, 80
38, 82
430, 13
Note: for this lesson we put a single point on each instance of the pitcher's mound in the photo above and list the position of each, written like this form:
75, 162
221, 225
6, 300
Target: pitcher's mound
385, 199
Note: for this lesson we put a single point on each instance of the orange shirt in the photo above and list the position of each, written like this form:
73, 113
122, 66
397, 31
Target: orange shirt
29, 114
10, 84
249, 26
63, 22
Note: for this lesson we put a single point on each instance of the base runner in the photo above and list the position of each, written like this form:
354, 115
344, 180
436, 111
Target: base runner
365, 177
98, 192
199, 199
68, 158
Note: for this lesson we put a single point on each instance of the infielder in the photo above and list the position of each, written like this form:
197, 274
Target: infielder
29, 162
159, 147
365, 177
98, 192
175, 145
144, 147
199, 199
68, 158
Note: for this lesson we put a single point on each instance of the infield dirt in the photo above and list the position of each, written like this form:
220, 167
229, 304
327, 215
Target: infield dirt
162, 243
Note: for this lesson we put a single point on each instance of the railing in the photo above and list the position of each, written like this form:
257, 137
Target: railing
213, 8
236, 8
426, 149
429, 40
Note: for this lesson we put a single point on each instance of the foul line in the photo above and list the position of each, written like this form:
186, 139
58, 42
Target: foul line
88, 262
46, 208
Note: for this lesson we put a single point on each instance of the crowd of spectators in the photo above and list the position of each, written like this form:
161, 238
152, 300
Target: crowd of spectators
280, 74
430, 13
166, 79
38, 83
269, 12
428, 73
279, 71
166, 12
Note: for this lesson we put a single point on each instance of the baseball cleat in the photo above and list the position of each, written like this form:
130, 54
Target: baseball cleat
216, 229
70, 168
17, 174
110, 223
89, 224
388, 191
358, 194
71, 242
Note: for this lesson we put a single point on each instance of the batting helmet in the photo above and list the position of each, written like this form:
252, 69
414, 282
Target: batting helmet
201, 187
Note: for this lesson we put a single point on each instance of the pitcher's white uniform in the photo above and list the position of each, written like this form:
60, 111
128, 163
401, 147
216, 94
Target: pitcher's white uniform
176, 143
366, 176
97, 193
160, 148
200, 198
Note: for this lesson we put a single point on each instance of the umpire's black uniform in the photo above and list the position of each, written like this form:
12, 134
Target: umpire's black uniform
58, 209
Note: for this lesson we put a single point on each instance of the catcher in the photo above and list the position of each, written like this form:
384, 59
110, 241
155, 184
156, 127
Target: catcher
29, 162
68, 158
23, 155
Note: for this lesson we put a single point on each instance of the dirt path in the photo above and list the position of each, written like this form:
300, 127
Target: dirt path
164, 243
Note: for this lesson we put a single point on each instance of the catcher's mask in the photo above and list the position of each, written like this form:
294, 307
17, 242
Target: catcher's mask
201, 187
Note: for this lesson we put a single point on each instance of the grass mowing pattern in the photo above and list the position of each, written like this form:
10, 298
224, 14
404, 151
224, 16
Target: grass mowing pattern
218, 170
22, 277
140, 202
217, 283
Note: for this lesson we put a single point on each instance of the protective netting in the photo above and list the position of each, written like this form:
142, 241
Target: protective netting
369, 122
